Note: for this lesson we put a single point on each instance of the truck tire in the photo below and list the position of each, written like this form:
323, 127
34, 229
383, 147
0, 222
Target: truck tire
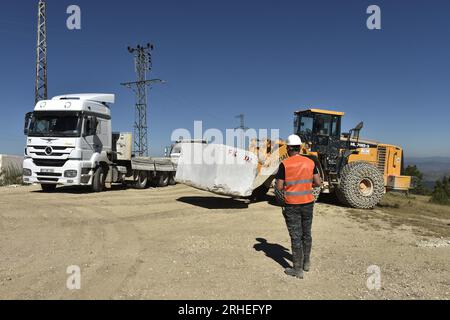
48, 187
361, 185
163, 179
98, 181
172, 181
141, 180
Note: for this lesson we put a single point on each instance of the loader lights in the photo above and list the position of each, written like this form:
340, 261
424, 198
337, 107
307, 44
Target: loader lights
27, 172
70, 173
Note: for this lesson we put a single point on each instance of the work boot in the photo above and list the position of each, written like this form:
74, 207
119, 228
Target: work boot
307, 255
297, 260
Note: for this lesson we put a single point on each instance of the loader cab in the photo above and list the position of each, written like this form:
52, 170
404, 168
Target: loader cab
319, 129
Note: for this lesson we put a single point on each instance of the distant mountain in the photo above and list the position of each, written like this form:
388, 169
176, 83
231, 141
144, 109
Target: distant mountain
433, 168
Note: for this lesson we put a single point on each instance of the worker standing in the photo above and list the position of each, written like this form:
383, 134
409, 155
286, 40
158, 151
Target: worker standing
296, 178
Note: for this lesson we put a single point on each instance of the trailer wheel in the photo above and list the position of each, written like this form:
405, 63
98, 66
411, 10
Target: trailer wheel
98, 181
141, 179
163, 179
172, 181
361, 186
48, 187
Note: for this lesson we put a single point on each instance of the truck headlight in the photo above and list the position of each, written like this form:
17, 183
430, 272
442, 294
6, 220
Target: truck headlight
70, 173
27, 172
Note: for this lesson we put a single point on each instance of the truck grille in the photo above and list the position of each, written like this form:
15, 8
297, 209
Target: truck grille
48, 179
49, 174
49, 162
382, 153
54, 148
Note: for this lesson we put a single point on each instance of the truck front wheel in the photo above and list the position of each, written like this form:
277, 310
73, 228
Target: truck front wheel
48, 187
98, 181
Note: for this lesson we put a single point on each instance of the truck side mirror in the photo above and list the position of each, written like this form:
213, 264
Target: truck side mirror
28, 117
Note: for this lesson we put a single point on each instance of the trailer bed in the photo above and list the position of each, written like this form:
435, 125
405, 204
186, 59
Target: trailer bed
153, 164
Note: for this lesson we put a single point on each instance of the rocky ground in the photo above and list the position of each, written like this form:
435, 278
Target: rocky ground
182, 243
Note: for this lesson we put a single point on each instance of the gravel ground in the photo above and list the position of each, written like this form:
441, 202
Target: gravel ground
182, 243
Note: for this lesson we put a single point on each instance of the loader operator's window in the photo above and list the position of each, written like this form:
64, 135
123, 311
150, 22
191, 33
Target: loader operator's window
306, 125
336, 127
323, 124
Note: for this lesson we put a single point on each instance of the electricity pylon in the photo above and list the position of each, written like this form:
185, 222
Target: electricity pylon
41, 56
143, 64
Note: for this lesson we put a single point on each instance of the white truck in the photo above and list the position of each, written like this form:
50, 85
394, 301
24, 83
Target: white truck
70, 142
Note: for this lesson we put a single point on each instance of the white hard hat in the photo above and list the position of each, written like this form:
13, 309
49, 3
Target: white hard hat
294, 140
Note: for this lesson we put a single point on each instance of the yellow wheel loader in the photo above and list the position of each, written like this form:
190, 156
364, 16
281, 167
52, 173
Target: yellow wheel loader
358, 171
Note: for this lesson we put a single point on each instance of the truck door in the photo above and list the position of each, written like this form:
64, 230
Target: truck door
89, 143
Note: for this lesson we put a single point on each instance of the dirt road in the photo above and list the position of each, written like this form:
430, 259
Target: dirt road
181, 243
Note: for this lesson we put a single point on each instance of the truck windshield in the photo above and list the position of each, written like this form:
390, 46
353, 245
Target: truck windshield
55, 125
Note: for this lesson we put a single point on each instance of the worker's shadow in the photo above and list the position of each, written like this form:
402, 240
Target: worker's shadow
276, 252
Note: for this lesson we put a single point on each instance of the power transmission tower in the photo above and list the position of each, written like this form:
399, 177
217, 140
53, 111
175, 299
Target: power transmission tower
143, 65
242, 126
41, 57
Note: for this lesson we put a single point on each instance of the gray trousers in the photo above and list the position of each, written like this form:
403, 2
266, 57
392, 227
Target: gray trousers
299, 222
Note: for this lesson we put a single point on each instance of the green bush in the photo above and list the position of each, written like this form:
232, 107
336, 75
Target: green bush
10, 175
413, 171
441, 192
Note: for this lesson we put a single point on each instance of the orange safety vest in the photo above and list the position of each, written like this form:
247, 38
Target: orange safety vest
298, 180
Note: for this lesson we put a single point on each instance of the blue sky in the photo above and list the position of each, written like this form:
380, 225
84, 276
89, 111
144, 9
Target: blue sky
262, 58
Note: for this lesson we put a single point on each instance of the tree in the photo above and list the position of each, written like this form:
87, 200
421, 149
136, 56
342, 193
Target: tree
440, 195
446, 185
413, 171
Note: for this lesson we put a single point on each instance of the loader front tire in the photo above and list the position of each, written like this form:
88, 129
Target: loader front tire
361, 186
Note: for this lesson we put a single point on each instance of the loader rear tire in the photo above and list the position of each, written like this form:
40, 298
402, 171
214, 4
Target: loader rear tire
361, 185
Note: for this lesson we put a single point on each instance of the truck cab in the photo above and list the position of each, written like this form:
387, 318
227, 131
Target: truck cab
68, 138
